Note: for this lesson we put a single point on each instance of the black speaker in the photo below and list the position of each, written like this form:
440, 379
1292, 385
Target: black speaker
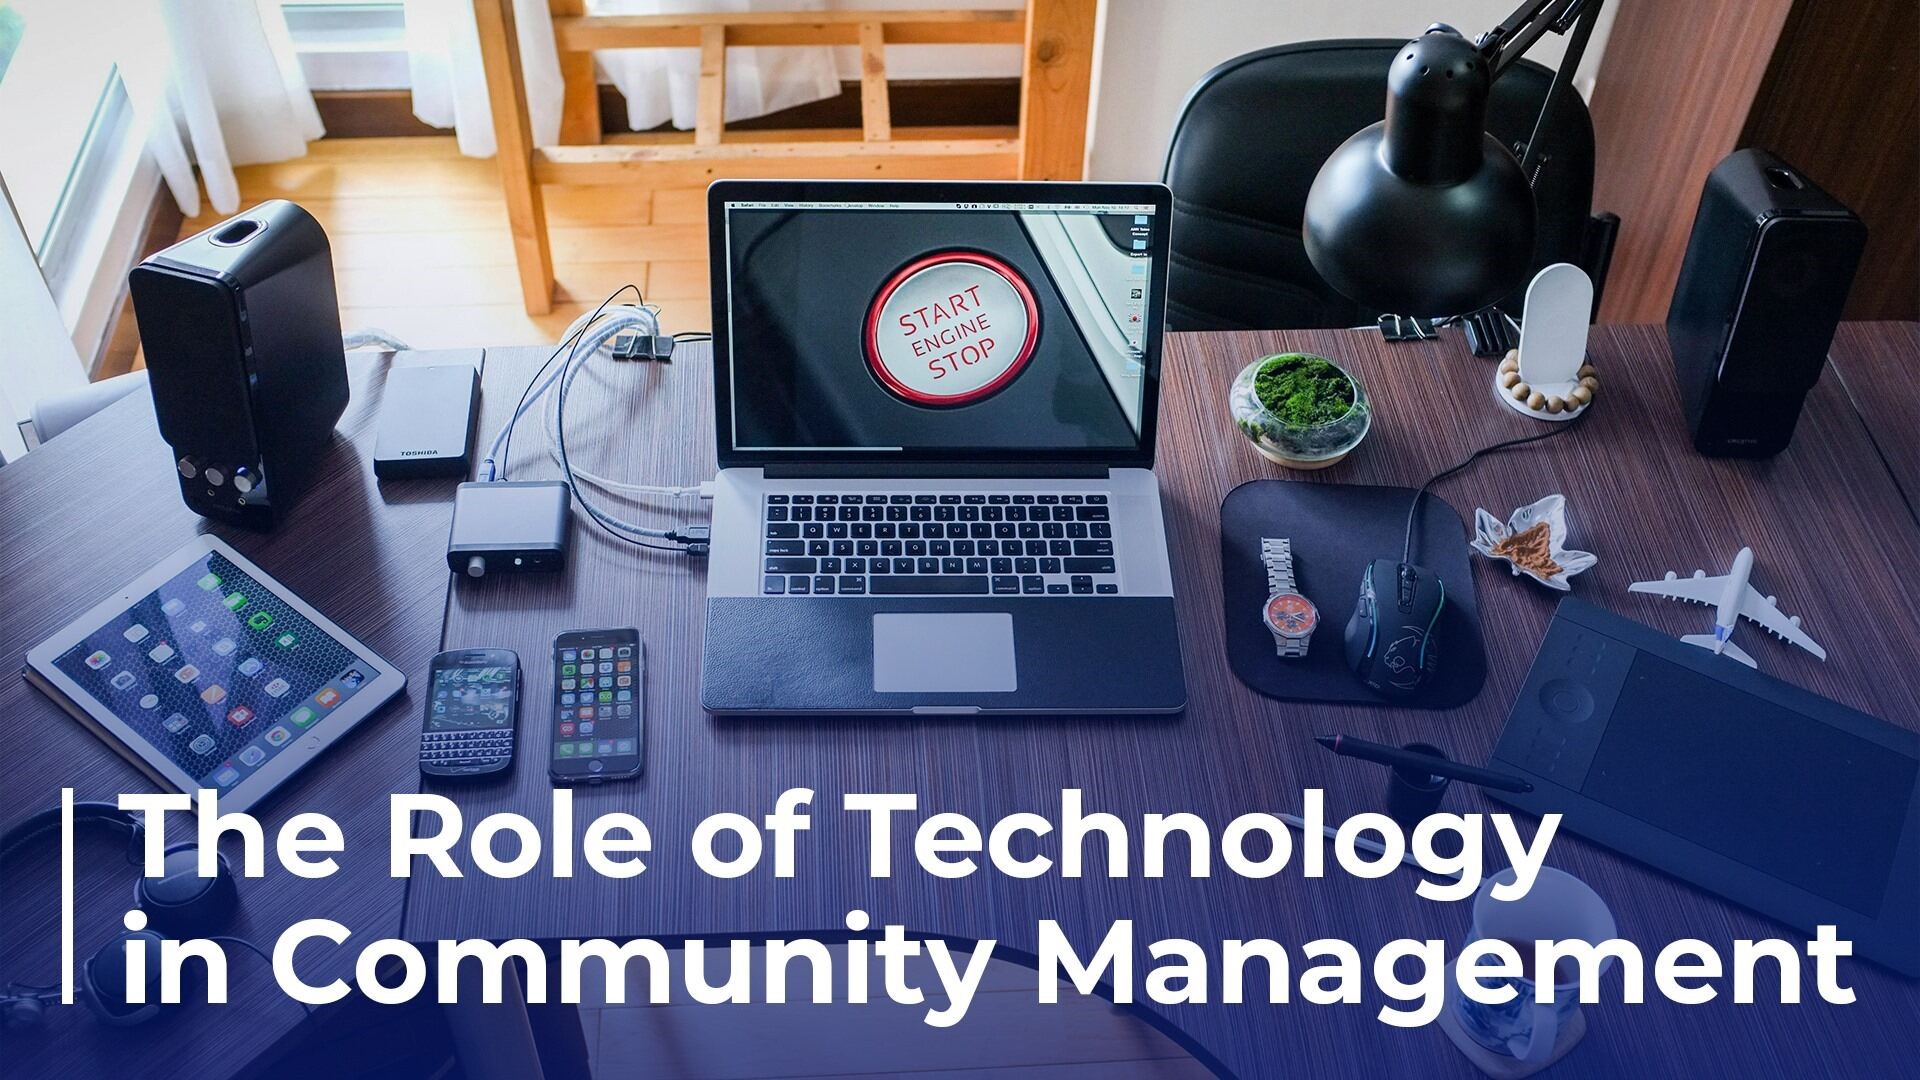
241, 329
1766, 276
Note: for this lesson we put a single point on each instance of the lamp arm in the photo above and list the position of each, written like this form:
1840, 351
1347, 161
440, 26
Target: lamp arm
1509, 41
1506, 43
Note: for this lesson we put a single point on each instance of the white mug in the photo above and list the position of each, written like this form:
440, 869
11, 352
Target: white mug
1559, 907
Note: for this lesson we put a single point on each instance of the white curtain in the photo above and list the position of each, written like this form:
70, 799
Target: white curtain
450, 89
450, 84
214, 83
662, 84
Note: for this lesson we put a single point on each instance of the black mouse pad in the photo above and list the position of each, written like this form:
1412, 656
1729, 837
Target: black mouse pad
1337, 529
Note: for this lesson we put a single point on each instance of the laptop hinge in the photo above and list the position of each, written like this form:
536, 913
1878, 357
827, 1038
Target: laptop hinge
936, 470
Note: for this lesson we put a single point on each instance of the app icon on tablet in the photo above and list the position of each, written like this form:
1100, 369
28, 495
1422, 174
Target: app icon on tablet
175, 724
225, 777
252, 756
214, 695
99, 659
201, 744
136, 633
251, 666
174, 606
302, 716
187, 673
210, 582
123, 680
160, 653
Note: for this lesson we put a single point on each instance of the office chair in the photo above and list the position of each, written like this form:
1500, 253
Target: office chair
1253, 133
55, 414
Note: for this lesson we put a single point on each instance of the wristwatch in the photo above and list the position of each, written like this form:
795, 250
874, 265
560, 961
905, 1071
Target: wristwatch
1290, 616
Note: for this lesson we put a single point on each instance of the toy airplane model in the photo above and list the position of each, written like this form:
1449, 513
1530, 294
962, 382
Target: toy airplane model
1733, 600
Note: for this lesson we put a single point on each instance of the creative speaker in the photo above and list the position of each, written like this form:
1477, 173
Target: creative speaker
241, 330
1765, 279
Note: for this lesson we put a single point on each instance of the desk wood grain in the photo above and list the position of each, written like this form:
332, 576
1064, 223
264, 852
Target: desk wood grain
85, 514
1824, 513
1879, 365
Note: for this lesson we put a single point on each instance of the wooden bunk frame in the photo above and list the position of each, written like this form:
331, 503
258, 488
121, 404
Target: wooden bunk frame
1049, 142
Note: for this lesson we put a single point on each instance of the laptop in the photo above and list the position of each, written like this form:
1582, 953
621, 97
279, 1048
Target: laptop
935, 405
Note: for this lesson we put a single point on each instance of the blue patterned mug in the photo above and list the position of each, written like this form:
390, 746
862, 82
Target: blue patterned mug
1560, 907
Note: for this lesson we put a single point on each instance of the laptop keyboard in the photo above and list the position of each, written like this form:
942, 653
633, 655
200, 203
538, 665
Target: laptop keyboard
938, 545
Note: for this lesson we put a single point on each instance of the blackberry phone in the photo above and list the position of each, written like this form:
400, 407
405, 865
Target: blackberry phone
598, 707
473, 700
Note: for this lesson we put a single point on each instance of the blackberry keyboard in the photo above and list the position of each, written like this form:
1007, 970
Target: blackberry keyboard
938, 545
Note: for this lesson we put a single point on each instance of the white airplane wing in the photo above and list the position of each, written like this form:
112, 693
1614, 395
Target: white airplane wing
1694, 590
1758, 610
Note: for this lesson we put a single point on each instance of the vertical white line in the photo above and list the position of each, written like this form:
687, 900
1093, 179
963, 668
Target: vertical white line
66, 896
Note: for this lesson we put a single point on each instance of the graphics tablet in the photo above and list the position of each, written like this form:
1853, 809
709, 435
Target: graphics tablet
1774, 797
207, 673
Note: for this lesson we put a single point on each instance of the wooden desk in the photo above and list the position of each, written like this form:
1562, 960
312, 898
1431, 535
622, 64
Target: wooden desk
1879, 364
1641, 499
83, 515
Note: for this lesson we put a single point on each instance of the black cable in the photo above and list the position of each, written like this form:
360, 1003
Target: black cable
513, 418
612, 527
1413, 511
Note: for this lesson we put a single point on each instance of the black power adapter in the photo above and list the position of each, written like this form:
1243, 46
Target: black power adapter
509, 526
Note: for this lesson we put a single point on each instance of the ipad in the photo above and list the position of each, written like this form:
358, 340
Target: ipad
207, 673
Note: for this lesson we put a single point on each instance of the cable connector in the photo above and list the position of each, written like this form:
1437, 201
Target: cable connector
696, 540
632, 345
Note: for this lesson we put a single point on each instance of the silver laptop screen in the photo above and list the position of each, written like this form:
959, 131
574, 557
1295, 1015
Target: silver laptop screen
940, 327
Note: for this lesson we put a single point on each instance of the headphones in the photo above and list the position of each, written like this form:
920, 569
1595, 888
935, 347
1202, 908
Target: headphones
178, 903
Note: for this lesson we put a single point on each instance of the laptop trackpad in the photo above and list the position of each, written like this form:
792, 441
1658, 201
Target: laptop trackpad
943, 653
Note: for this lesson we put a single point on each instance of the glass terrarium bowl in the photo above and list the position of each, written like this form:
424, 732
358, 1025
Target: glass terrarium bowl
1296, 446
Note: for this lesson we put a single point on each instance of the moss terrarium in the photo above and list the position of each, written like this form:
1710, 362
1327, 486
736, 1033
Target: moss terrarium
1299, 410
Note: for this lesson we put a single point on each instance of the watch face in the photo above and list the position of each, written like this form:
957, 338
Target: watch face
1291, 615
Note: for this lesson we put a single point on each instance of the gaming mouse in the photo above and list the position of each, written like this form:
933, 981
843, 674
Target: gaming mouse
1390, 638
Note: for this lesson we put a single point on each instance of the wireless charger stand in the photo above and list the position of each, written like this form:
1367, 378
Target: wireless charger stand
1553, 346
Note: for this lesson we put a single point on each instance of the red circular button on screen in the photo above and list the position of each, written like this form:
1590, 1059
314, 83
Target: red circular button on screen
951, 328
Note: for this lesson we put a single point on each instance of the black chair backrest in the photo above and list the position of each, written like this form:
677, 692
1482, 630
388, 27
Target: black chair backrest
1256, 129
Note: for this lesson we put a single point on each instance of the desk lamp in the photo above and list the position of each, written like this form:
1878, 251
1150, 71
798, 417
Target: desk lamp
1425, 213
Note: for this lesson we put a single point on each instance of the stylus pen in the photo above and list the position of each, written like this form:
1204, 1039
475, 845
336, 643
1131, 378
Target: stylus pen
1380, 753
1365, 844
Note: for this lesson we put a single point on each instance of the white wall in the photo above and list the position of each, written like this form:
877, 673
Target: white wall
1153, 51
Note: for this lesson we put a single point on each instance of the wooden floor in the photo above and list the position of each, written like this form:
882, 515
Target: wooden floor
421, 250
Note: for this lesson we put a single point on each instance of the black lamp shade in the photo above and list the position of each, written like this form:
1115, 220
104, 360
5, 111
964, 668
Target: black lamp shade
1424, 213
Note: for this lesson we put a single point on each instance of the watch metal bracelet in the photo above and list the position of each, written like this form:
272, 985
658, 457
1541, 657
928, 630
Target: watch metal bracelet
1278, 555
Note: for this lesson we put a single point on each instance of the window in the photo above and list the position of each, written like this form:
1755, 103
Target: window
61, 113
53, 79
347, 45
